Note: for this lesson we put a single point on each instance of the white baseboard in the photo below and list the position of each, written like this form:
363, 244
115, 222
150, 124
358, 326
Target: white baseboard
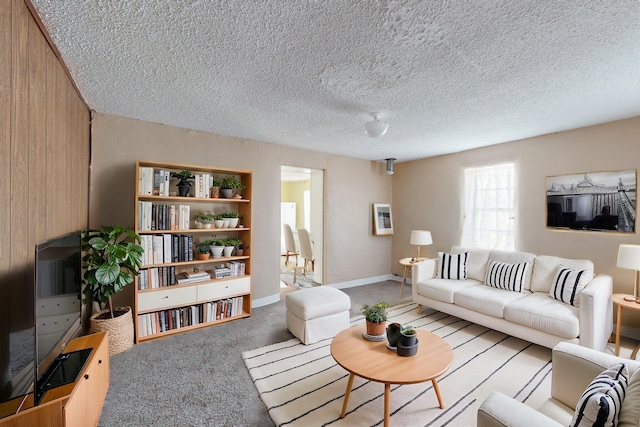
271, 299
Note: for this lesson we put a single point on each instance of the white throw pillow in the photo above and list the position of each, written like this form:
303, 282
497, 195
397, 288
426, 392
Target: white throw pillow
567, 285
601, 402
630, 412
507, 276
452, 266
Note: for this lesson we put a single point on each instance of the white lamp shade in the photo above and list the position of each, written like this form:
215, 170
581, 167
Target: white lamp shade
629, 257
376, 128
420, 238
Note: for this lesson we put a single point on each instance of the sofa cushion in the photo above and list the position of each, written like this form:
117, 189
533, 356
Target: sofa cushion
600, 403
630, 411
486, 300
507, 276
452, 266
546, 267
539, 311
511, 257
567, 285
444, 289
476, 262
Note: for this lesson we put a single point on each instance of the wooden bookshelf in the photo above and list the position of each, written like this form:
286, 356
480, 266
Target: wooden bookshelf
163, 306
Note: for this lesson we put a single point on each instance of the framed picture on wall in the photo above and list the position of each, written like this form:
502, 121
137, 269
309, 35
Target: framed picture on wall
382, 219
595, 201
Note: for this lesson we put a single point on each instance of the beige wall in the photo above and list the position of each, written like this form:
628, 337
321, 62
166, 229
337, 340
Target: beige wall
294, 192
427, 194
352, 185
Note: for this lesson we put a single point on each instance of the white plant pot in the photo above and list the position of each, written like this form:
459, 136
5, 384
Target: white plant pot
216, 251
198, 224
225, 223
206, 225
218, 223
228, 250
233, 222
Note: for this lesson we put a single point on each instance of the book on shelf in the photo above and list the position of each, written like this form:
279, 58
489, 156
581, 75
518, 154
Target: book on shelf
145, 181
183, 279
192, 274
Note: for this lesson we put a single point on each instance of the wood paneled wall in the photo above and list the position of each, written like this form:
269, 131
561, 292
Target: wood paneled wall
44, 154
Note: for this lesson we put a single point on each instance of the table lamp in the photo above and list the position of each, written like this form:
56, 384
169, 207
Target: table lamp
629, 257
420, 238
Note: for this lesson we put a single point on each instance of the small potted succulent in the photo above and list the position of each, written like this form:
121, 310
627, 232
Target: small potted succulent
204, 251
229, 185
218, 221
376, 317
408, 343
232, 217
184, 182
205, 218
216, 246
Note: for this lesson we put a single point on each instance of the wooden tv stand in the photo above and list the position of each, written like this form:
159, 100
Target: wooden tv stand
75, 404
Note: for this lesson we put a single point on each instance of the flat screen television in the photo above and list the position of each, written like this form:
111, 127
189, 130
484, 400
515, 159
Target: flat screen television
58, 305
38, 317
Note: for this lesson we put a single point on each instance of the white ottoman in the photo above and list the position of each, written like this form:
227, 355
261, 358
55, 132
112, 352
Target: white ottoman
317, 313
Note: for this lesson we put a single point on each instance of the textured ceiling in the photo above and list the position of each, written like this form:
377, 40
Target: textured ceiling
446, 76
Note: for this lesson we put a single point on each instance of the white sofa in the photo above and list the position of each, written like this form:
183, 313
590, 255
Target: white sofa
573, 368
531, 314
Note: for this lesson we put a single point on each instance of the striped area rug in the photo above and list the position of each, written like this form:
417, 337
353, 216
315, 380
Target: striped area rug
303, 386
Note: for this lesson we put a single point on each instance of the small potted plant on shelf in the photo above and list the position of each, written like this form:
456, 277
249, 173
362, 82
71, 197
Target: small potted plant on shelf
204, 251
111, 259
239, 248
229, 246
376, 318
216, 246
214, 191
229, 185
184, 182
218, 221
232, 217
205, 218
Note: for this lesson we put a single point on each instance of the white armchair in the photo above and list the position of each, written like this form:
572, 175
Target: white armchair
573, 368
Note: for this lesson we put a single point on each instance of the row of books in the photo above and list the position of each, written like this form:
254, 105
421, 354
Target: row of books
155, 182
166, 248
163, 217
176, 318
157, 277
167, 320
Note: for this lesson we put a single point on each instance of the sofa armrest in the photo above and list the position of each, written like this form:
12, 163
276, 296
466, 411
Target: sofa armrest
421, 271
499, 410
596, 312
575, 366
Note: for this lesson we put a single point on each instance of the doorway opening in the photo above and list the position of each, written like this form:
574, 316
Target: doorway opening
302, 207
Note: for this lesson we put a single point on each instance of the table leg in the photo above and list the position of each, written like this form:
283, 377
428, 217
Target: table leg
404, 279
437, 390
618, 322
387, 404
347, 394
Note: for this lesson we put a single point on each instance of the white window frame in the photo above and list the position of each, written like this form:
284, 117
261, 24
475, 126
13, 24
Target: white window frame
490, 201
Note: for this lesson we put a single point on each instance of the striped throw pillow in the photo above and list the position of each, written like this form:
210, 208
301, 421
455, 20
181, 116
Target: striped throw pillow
600, 403
453, 266
567, 285
507, 276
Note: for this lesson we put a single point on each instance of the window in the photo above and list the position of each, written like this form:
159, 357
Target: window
489, 207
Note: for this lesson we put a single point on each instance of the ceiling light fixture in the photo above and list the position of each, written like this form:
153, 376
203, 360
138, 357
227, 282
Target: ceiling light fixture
375, 128
390, 166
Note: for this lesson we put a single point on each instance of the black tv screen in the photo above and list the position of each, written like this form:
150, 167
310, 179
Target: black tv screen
58, 299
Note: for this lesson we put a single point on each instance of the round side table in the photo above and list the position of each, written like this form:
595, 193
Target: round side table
407, 263
618, 299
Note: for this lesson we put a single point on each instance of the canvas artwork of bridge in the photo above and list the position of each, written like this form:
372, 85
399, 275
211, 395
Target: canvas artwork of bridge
597, 201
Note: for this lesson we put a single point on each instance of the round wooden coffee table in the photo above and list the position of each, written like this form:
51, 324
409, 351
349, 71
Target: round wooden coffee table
374, 361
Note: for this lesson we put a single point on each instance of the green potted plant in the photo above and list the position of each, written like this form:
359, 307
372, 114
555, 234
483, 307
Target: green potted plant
408, 343
239, 247
229, 185
229, 246
184, 181
111, 259
204, 251
232, 217
214, 192
376, 318
205, 218
216, 246
218, 221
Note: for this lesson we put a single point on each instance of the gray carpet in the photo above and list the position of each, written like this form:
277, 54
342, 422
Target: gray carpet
198, 378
